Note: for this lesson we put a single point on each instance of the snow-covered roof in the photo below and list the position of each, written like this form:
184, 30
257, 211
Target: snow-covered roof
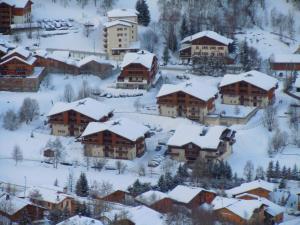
204, 137
16, 3
240, 207
253, 77
117, 22
291, 222
80, 220
185, 194
272, 208
245, 187
87, 106
122, 126
10, 204
151, 197
210, 34
285, 58
19, 50
139, 215
142, 57
122, 13
28, 61
3, 49
193, 88
90, 59
297, 82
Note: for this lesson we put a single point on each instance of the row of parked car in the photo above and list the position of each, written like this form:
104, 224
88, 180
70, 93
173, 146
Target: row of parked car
58, 24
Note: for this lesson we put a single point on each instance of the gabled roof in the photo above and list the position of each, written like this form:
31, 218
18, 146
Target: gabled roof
204, 137
117, 22
122, 126
185, 194
10, 204
92, 58
142, 57
16, 3
3, 49
240, 207
29, 61
245, 187
193, 88
150, 197
285, 58
80, 220
19, 50
253, 77
122, 13
209, 34
87, 106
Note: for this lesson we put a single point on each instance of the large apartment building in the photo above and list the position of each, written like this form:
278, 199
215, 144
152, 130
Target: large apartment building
120, 33
14, 12
192, 100
252, 88
204, 44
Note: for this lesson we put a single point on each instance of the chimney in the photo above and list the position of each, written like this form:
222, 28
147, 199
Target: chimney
57, 198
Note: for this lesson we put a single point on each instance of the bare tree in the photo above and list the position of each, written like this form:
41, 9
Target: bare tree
279, 140
249, 171
17, 154
58, 149
69, 94
179, 215
70, 181
84, 91
29, 110
149, 40
121, 166
269, 117
11, 120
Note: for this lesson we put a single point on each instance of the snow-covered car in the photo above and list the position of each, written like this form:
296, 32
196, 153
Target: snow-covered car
153, 163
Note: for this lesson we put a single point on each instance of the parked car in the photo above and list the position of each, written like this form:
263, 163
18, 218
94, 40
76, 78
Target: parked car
153, 163
158, 148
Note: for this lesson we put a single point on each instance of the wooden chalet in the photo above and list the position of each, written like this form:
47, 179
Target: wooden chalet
70, 119
209, 143
204, 44
14, 209
284, 65
80, 220
239, 211
192, 100
156, 200
252, 88
14, 12
120, 138
259, 188
191, 197
138, 70
18, 71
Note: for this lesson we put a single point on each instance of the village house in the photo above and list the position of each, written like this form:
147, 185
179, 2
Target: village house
128, 215
13, 209
239, 211
70, 119
273, 213
191, 197
80, 220
120, 138
284, 65
18, 71
51, 197
14, 12
204, 44
120, 34
159, 201
252, 88
206, 142
191, 99
259, 188
138, 70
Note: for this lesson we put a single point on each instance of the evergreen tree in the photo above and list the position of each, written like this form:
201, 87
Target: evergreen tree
166, 55
244, 56
162, 184
284, 172
83, 209
139, 188
169, 181
270, 170
294, 174
277, 173
228, 171
82, 187
182, 171
184, 30
282, 184
144, 14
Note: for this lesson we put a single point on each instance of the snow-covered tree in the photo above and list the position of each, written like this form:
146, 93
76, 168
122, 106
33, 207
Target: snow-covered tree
82, 187
249, 171
29, 110
58, 148
144, 14
69, 94
11, 120
17, 154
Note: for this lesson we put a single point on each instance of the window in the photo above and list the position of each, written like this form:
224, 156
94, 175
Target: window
120, 45
118, 29
120, 40
190, 146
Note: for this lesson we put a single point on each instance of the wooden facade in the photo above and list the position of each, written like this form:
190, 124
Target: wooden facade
244, 93
136, 75
113, 145
71, 122
67, 203
16, 67
261, 192
181, 104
